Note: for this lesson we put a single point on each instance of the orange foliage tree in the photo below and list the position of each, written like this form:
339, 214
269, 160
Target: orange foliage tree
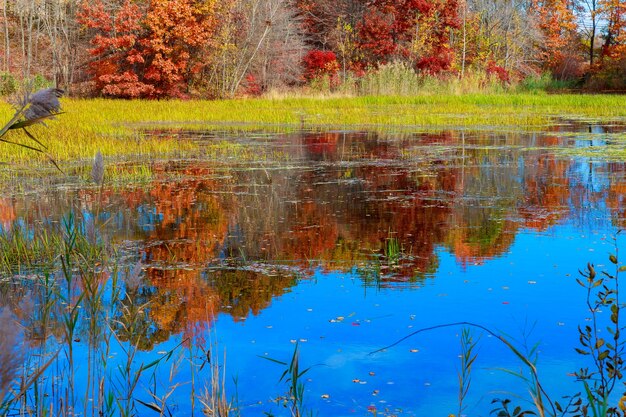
614, 12
147, 50
561, 52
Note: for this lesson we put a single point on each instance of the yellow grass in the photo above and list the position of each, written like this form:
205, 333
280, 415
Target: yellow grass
117, 128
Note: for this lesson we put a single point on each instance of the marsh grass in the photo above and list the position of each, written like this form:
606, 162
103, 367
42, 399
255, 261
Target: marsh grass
69, 315
117, 128
214, 397
292, 377
398, 79
22, 249
468, 357
392, 251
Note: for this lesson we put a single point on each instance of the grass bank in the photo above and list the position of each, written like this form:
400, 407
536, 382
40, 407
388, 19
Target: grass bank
115, 127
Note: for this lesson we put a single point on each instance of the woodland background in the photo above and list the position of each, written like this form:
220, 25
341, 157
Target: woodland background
229, 48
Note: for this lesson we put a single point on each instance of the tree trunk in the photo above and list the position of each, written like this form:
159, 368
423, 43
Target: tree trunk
7, 43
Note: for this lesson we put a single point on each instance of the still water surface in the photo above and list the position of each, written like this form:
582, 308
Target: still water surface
345, 242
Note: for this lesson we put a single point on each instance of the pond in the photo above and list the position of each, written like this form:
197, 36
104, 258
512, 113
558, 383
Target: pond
337, 244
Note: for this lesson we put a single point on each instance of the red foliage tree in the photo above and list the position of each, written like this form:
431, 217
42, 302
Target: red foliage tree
415, 30
320, 63
499, 72
150, 51
118, 48
179, 31
615, 39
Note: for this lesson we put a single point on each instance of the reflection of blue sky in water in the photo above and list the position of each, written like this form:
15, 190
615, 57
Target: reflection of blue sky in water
531, 287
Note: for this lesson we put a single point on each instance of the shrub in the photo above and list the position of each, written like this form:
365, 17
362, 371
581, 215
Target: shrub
8, 84
543, 82
394, 78
610, 75
499, 72
39, 82
319, 64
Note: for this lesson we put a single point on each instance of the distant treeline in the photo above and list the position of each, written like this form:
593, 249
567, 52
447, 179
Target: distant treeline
228, 48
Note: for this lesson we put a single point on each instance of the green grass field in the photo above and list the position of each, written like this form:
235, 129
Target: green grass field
115, 126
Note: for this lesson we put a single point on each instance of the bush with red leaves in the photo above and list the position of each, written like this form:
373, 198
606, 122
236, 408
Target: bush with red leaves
500, 72
318, 64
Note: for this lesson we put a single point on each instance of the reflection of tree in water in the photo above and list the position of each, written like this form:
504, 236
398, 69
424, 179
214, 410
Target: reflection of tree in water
616, 193
547, 189
192, 222
175, 301
191, 226
132, 319
242, 292
338, 216
464, 193
336, 204
342, 216
7, 213
486, 195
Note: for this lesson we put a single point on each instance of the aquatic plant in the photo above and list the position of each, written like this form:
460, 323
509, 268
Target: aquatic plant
392, 250
468, 356
292, 377
80, 297
601, 341
606, 350
213, 397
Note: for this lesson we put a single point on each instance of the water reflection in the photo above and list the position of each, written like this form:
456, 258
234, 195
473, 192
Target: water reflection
383, 204
284, 243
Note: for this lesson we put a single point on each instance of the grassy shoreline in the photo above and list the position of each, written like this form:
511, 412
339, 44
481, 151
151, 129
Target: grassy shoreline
114, 126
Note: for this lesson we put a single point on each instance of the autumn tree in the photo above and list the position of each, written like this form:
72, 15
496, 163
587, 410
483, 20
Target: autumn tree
179, 31
318, 64
258, 42
319, 19
497, 32
590, 14
118, 49
330, 25
57, 20
147, 50
557, 21
608, 70
41, 38
412, 30
614, 12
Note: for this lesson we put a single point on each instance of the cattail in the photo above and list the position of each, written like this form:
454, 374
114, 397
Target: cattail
44, 103
97, 169
35, 108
